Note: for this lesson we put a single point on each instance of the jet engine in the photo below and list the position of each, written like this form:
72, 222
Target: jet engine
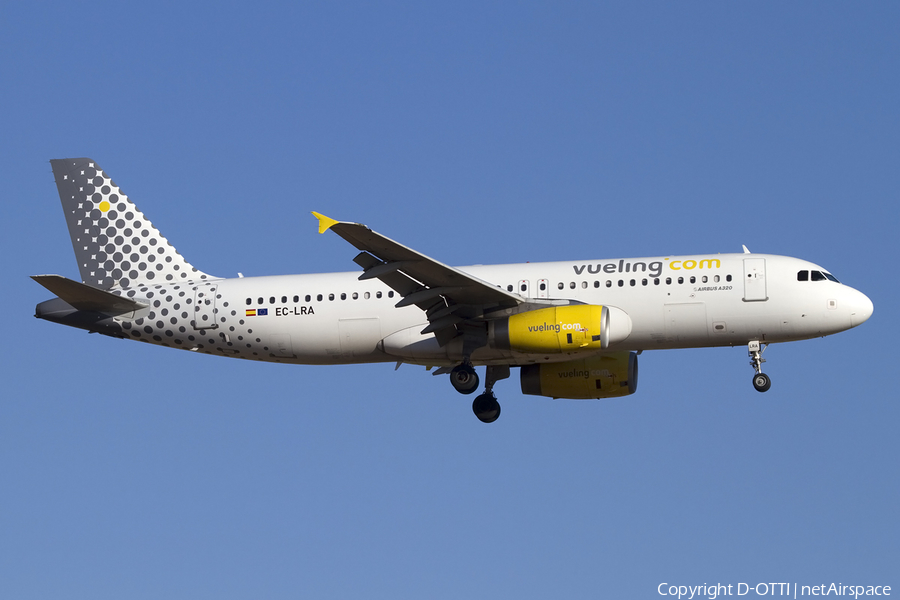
607, 376
553, 330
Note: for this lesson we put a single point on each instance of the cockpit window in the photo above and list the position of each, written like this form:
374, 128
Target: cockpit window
816, 276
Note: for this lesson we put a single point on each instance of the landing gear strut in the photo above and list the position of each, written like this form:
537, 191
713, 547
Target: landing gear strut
485, 406
761, 381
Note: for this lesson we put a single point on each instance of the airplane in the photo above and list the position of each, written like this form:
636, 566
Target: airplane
573, 328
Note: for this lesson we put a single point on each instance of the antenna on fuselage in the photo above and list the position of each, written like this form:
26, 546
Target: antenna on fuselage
746, 250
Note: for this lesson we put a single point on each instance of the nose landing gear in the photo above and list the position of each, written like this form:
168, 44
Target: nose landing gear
761, 381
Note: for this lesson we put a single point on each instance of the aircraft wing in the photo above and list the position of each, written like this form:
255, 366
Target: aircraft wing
447, 295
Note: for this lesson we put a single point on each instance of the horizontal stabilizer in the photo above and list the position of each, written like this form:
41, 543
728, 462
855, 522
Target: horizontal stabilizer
86, 297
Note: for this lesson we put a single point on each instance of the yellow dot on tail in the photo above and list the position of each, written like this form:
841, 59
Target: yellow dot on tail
104, 206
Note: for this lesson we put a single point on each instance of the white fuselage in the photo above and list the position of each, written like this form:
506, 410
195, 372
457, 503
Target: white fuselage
655, 303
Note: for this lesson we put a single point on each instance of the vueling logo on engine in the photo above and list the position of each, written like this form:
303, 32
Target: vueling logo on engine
583, 373
555, 327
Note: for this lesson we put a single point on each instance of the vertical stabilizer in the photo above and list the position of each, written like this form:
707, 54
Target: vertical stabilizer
115, 244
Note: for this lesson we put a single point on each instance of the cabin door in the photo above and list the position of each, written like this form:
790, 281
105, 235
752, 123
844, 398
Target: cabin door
358, 337
755, 280
205, 306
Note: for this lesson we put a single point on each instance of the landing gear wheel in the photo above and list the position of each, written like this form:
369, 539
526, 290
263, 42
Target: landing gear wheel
486, 408
761, 382
464, 379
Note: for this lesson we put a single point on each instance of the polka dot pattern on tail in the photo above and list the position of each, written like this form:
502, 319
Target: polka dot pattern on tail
115, 244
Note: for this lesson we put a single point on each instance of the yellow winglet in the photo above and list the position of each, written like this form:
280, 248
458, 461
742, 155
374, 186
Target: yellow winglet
325, 223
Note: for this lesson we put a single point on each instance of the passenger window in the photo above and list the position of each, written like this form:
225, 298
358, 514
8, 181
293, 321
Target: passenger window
308, 297
693, 279
704, 279
271, 299
668, 281
391, 294
560, 285
378, 294
656, 281
716, 279
284, 299
584, 285
632, 283
249, 301
608, 283
296, 298
803, 276
572, 285
621, 283
330, 296
319, 297
259, 300
596, 284
355, 296
728, 278
343, 296
367, 295
643, 282
543, 286
523, 287
509, 288
681, 280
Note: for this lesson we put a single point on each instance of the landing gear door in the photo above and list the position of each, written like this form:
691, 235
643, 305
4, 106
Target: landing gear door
205, 306
755, 280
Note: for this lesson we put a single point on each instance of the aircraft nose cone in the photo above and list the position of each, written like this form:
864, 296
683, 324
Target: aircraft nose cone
861, 309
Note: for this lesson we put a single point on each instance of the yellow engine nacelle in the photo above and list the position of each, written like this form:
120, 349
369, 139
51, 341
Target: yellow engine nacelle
608, 376
553, 330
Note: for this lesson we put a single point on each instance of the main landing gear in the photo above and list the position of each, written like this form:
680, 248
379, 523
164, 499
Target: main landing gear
464, 378
761, 381
465, 381
486, 407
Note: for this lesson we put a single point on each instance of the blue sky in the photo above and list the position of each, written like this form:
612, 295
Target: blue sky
475, 133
